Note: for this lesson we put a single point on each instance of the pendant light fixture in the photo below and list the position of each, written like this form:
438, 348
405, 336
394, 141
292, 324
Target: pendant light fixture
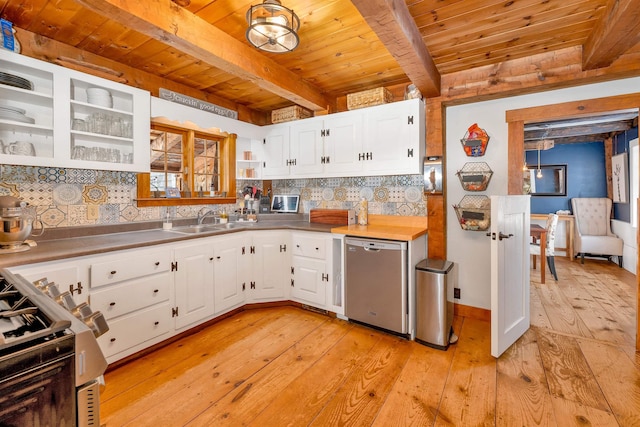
272, 27
539, 174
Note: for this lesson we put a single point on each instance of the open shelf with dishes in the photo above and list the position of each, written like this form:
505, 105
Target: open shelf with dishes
55, 116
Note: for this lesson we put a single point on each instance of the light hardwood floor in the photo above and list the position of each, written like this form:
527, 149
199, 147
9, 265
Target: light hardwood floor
576, 366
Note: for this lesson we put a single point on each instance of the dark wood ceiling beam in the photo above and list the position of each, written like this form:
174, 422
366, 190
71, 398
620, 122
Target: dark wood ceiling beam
392, 22
192, 35
577, 130
617, 31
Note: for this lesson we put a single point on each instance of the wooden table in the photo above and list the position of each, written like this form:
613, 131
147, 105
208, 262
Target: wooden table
569, 220
540, 233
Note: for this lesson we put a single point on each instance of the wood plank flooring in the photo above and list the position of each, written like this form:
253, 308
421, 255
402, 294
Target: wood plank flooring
283, 366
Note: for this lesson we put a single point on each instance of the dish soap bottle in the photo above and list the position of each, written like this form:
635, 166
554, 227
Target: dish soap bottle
167, 225
363, 215
224, 217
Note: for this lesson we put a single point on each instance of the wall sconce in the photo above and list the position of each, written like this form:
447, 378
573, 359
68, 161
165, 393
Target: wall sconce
272, 27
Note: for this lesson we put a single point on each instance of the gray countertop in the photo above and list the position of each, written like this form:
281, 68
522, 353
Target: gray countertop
71, 243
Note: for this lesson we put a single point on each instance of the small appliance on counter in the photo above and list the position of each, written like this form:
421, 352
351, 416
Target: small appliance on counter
285, 203
17, 224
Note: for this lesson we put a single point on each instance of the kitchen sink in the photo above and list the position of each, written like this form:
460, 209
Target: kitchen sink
195, 229
210, 228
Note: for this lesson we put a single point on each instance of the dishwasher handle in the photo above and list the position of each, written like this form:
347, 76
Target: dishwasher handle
370, 249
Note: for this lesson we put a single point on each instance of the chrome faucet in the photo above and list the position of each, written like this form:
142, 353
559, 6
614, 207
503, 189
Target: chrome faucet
203, 213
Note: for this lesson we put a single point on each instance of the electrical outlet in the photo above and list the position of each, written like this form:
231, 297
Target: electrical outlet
456, 293
93, 211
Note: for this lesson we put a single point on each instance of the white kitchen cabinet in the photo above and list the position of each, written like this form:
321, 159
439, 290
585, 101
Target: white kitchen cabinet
387, 139
327, 146
70, 276
62, 126
307, 147
270, 259
394, 138
133, 289
194, 282
344, 138
311, 274
231, 270
275, 152
248, 158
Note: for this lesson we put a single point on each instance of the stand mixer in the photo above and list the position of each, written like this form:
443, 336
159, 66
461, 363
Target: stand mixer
16, 225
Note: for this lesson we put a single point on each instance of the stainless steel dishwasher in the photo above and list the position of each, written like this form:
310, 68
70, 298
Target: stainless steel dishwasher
376, 283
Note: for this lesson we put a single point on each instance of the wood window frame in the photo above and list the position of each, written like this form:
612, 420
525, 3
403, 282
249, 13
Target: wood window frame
227, 167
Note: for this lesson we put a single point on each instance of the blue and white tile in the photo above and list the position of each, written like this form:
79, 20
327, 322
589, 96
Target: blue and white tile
52, 175
81, 176
109, 214
413, 194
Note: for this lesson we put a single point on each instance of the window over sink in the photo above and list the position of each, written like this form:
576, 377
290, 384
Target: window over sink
189, 165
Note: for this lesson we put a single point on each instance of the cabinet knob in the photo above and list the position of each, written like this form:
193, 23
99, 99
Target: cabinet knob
157, 263
112, 272
112, 304
155, 291
156, 323
211, 259
112, 340
218, 257
317, 249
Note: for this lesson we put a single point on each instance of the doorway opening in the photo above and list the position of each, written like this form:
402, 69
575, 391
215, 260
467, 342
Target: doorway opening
517, 119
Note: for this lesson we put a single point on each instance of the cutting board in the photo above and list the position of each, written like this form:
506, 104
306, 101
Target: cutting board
332, 216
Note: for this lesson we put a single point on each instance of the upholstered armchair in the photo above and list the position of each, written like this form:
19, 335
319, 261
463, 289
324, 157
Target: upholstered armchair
593, 235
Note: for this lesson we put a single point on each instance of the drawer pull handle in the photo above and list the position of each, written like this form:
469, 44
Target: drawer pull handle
112, 304
157, 263
156, 323
112, 340
112, 272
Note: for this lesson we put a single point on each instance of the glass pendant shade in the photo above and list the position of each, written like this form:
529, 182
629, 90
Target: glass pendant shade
272, 27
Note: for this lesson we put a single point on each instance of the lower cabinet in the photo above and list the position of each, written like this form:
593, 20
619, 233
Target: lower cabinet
311, 268
231, 270
150, 294
270, 261
193, 282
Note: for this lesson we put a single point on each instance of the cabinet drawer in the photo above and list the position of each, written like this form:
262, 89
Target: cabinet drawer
133, 295
132, 266
128, 331
309, 246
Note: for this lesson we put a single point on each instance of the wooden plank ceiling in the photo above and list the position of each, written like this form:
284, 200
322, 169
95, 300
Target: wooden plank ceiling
345, 46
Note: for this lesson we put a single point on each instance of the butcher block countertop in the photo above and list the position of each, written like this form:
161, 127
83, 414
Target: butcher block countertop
387, 227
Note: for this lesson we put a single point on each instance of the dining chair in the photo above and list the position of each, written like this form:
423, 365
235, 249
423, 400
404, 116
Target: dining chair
534, 248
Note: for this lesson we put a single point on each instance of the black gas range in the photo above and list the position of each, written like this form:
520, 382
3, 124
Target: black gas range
50, 362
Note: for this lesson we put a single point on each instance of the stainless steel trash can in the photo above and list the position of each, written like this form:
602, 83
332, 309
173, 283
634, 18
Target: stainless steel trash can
435, 280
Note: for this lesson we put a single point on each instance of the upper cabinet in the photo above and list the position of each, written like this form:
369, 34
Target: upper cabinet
54, 116
383, 140
395, 138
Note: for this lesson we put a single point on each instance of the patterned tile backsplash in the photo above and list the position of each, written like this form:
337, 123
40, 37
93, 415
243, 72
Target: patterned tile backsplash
62, 197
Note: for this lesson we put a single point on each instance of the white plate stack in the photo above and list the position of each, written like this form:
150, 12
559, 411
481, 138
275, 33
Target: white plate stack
100, 97
15, 114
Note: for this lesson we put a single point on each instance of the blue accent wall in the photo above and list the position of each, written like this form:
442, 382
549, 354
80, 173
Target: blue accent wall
585, 174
